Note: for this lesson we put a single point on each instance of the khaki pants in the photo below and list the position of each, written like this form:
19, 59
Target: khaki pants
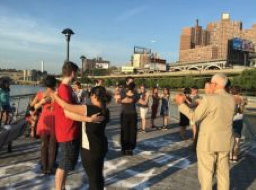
210, 163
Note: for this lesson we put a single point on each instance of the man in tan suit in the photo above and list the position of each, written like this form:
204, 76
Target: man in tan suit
215, 114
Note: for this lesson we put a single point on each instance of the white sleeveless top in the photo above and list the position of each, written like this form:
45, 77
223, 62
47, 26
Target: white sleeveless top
85, 141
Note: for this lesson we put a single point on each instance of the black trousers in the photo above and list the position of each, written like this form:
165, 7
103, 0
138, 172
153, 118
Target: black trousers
93, 166
48, 151
128, 131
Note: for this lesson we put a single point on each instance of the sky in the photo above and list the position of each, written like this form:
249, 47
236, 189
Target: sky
30, 30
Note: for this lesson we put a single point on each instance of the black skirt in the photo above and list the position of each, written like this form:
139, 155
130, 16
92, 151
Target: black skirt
184, 121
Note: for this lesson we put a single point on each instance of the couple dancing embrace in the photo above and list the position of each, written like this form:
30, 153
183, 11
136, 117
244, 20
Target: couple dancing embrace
67, 118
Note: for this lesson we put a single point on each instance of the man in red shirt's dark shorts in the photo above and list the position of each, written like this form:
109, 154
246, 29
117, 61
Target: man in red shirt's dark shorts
67, 130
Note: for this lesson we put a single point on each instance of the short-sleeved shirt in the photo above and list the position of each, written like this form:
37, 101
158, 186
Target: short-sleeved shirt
65, 128
4, 97
94, 133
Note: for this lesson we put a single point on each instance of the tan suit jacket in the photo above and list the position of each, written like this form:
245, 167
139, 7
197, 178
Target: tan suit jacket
215, 115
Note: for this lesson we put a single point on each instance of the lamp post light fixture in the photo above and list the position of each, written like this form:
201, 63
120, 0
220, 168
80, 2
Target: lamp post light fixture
82, 66
67, 32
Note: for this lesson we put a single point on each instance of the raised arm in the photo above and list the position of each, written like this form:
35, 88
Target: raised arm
42, 102
145, 101
34, 101
84, 118
195, 115
127, 100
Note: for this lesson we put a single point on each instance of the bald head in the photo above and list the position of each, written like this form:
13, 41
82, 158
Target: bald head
220, 80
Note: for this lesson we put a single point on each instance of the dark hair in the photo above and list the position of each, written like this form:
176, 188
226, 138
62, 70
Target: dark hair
103, 96
154, 89
168, 90
228, 86
235, 90
187, 90
68, 67
131, 86
50, 82
4, 84
77, 83
194, 87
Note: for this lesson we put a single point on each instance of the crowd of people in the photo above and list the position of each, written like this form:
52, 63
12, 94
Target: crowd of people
69, 120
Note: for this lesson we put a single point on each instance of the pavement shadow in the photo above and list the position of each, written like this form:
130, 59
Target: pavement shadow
170, 159
243, 173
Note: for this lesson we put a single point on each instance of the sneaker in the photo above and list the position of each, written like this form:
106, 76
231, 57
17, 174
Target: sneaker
164, 128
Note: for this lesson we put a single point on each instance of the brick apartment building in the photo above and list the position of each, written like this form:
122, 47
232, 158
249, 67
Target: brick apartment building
198, 44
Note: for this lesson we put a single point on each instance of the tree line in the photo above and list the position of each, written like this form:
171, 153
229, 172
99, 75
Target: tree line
246, 80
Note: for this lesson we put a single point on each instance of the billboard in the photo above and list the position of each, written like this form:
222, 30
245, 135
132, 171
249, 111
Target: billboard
243, 45
127, 69
237, 44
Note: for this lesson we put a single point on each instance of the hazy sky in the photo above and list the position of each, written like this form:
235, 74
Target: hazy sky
30, 30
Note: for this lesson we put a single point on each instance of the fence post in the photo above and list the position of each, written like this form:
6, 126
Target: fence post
17, 110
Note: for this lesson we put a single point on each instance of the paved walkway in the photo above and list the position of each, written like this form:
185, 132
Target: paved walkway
161, 161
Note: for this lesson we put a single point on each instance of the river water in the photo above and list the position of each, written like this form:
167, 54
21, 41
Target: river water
20, 103
23, 89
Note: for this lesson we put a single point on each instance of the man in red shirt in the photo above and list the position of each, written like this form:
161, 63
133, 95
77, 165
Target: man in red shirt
67, 130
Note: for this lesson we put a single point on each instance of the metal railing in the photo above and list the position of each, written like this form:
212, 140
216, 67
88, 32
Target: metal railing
20, 103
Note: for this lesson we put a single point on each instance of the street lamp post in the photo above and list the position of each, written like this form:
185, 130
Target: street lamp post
82, 67
67, 32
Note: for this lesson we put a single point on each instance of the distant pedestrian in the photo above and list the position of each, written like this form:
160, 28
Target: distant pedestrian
81, 95
128, 118
143, 105
154, 106
184, 121
165, 112
237, 122
5, 101
195, 98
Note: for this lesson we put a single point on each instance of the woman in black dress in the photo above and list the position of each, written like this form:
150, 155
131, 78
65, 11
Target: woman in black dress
184, 121
94, 141
128, 119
